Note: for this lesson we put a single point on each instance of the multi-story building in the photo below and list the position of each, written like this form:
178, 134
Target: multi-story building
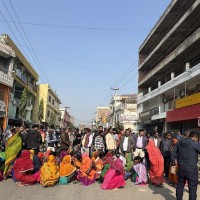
7, 56
52, 114
124, 111
25, 78
169, 70
66, 118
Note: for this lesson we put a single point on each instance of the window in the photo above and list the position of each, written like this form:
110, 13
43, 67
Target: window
49, 98
53, 101
48, 113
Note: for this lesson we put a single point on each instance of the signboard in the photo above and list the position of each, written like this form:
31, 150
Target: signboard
188, 101
128, 117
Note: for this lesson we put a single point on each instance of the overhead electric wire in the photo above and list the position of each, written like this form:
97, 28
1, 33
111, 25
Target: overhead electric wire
14, 34
78, 27
37, 60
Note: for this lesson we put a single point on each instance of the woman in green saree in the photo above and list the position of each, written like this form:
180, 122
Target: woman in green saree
13, 147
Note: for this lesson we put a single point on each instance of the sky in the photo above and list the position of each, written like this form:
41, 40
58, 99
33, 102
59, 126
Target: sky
82, 48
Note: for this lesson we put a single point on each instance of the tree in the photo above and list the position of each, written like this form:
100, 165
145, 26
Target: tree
119, 125
52, 119
41, 111
23, 104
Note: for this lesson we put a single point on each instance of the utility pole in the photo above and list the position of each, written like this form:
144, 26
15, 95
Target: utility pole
114, 115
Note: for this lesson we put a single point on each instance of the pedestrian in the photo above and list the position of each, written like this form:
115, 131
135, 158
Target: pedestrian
34, 139
127, 143
65, 141
157, 139
77, 140
166, 146
99, 143
140, 144
110, 140
156, 162
87, 141
186, 152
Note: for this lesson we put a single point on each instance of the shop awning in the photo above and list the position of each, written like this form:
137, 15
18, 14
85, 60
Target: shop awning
183, 114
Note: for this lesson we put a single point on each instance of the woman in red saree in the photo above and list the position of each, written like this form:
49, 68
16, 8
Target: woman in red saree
156, 164
22, 168
114, 177
86, 174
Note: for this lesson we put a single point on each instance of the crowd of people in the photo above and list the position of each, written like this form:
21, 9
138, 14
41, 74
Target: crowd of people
107, 156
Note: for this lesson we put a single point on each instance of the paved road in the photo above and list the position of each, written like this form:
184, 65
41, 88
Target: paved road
10, 191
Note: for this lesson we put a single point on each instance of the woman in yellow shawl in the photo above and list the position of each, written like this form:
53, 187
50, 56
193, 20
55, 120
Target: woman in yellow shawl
49, 172
13, 147
67, 170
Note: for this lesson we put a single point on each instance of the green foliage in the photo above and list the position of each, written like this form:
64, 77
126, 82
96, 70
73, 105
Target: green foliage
23, 104
52, 119
41, 110
119, 125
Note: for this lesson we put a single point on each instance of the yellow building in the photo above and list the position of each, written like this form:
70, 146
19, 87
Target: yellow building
52, 114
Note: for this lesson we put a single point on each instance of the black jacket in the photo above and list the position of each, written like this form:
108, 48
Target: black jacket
186, 152
34, 139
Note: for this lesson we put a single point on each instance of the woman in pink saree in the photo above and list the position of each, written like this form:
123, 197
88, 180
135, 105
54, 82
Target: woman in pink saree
114, 177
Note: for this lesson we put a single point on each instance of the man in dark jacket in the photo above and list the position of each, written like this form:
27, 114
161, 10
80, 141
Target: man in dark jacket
34, 139
65, 141
165, 147
127, 143
186, 152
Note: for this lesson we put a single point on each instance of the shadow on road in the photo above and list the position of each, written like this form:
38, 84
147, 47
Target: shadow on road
165, 192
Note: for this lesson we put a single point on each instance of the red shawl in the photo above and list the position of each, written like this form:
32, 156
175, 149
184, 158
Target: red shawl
23, 163
156, 163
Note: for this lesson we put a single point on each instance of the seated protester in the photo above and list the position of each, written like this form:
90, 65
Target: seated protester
41, 157
22, 168
107, 163
36, 161
77, 159
87, 173
129, 162
64, 153
139, 176
97, 159
67, 170
114, 177
156, 162
129, 165
49, 172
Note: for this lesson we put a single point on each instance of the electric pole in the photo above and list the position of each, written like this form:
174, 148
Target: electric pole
114, 108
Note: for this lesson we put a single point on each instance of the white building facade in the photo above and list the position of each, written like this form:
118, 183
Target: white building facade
169, 70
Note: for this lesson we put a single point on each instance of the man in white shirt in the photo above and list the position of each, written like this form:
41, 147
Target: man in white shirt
157, 139
127, 143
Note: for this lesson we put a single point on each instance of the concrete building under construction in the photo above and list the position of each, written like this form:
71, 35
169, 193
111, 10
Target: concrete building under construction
169, 70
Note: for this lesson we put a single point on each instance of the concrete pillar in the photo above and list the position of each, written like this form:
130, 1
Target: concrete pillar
172, 75
159, 83
149, 89
187, 66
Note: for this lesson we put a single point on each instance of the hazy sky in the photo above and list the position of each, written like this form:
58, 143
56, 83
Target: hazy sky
84, 46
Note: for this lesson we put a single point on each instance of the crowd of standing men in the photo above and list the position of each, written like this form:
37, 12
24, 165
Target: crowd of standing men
158, 156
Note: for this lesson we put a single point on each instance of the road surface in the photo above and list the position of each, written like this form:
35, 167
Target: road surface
10, 191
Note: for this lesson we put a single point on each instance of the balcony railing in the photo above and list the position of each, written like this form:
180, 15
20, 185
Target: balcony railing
21, 76
6, 79
187, 75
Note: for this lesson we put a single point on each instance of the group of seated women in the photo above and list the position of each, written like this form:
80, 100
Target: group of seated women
110, 171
